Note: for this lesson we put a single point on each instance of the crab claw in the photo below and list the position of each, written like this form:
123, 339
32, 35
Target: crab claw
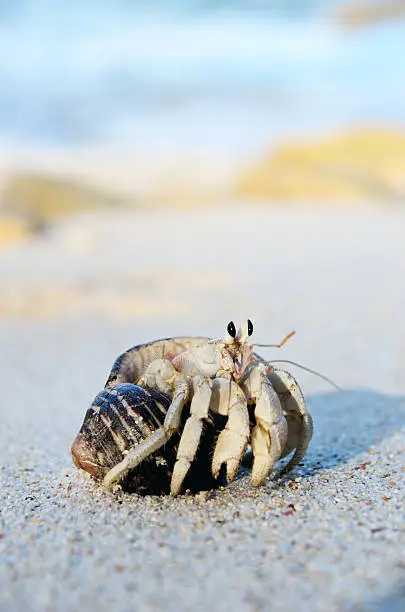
233, 440
228, 440
229, 400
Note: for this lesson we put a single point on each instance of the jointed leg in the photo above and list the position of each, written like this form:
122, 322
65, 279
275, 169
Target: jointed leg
269, 435
229, 399
300, 424
158, 438
190, 438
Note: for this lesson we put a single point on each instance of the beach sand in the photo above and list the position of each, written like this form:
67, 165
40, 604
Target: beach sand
328, 537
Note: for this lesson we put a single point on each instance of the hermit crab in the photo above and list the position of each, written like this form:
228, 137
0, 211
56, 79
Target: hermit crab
181, 409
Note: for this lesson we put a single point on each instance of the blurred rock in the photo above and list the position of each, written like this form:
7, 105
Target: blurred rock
41, 199
358, 14
364, 165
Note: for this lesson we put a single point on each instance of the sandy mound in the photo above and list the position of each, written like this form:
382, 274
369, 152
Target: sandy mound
359, 166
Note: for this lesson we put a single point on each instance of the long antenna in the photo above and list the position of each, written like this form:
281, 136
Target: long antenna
288, 336
328, 380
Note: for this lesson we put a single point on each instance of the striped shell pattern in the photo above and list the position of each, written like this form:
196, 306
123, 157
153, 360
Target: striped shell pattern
123, 414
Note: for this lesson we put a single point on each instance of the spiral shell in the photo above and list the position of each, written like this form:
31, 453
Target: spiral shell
123, 414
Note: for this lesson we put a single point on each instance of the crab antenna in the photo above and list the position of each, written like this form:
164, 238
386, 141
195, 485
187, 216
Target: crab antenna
328, 380
288, 336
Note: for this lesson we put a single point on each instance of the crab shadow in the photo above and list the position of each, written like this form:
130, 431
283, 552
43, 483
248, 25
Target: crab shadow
347, 424
395, 602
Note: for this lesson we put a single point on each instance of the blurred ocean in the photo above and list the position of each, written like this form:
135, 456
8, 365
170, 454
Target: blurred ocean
188, 74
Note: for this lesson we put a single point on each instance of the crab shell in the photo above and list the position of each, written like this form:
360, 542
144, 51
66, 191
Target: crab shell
123, 414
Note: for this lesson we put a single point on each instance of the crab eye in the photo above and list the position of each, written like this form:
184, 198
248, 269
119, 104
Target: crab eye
250, 327
231, 329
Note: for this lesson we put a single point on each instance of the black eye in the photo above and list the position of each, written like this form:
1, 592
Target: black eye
231, 329
250, 327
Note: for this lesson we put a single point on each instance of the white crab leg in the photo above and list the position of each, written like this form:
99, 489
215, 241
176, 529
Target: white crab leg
190, 438
269, 435
229, 400
157, 439
300, 424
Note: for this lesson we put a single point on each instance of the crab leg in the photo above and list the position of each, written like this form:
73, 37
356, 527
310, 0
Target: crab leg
229, 400
300, 424
158, 438
190, 438
269, 435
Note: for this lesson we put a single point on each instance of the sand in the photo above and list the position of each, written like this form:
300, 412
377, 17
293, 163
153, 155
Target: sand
328, 537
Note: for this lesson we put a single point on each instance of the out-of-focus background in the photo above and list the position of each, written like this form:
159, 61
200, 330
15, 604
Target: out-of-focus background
191, 161
187, 162
192, 103
111, 112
